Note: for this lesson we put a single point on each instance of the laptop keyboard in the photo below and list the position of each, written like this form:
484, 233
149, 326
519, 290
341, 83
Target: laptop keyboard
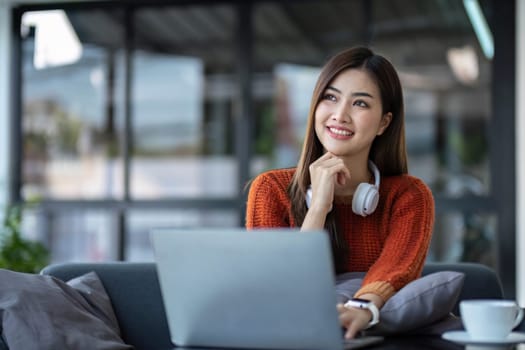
362, 342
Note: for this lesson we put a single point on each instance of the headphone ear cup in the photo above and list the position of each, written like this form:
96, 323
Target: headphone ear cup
308, 197
365, 199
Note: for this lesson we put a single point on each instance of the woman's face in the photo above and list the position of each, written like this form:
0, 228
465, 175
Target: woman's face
349, 114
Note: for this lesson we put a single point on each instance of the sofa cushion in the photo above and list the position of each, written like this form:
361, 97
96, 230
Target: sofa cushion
42, 312
419, 304
133, 288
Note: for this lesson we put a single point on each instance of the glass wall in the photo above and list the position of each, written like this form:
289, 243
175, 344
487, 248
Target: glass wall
132, 105
71, 145
141, 222
182, 103
145, 114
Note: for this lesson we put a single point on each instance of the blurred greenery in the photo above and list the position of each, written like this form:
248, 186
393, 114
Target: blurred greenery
470, 147
68, 130
16, 252
265, 138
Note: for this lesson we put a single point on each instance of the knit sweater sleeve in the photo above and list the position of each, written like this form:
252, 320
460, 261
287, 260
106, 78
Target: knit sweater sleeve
268, 204
409, 233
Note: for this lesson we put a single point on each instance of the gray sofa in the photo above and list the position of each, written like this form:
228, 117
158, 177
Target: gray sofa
135, 294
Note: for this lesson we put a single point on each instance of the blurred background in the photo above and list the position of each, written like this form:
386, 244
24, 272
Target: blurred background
130, 115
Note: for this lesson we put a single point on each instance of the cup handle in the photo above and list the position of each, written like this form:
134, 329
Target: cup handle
519, 317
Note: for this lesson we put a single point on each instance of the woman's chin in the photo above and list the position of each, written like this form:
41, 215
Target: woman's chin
336, 152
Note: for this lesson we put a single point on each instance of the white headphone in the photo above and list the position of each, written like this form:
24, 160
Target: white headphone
366, 196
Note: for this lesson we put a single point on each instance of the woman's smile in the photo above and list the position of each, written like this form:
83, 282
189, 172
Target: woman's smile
340, 133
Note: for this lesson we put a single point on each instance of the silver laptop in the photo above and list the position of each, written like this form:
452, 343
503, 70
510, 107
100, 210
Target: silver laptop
263, 289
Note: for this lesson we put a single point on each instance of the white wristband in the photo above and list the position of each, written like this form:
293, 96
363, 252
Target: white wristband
356, 303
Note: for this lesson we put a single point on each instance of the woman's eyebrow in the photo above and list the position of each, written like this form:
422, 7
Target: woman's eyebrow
333, 88
354, 94
365, 94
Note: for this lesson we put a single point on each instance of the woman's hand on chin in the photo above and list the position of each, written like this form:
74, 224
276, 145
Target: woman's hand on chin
327, 172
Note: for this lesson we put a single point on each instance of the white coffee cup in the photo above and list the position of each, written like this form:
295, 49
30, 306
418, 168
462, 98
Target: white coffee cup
490, 320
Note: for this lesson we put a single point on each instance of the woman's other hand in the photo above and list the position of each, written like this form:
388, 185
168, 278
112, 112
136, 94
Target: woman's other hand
353, 319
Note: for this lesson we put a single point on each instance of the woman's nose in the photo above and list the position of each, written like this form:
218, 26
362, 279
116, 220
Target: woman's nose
342, 114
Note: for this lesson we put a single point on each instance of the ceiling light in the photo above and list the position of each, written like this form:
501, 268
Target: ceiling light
481, 28
464, 64
56, 42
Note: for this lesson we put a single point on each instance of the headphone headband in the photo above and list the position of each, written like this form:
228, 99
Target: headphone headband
375, 170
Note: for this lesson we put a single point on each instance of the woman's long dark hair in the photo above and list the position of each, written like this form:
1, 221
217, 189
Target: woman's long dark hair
388, 150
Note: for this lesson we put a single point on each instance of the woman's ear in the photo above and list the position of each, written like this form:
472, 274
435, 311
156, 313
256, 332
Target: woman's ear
384, 123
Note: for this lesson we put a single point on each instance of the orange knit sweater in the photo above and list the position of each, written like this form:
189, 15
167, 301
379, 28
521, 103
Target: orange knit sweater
391, 244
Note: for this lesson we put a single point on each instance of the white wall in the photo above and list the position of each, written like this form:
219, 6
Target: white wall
520, 151
5, 24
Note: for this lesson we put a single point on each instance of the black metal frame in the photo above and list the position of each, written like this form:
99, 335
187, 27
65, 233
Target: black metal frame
502, 198
503, 140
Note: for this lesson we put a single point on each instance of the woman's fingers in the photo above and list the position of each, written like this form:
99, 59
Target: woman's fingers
327, 172
332, 169
343, 176
329, 166
354, 320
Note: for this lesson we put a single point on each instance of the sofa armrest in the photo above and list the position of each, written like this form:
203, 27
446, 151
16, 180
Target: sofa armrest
135, 294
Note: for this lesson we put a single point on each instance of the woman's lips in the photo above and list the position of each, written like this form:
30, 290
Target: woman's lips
340, 133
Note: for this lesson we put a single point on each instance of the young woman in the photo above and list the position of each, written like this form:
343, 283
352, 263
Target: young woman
351, 180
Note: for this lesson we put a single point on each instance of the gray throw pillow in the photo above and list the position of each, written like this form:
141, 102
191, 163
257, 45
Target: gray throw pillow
347, 284
419, 304
43, 312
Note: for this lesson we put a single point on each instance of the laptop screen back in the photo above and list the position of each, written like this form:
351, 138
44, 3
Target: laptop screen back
267, 289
